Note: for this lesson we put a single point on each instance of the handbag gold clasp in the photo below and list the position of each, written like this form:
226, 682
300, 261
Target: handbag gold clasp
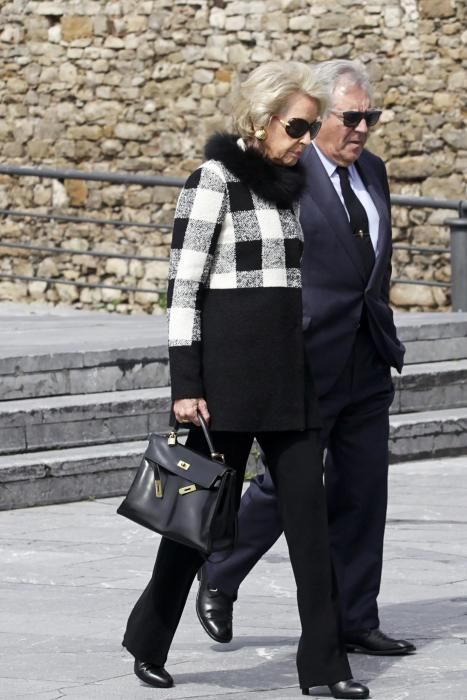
158, 488
183, 465
172, 439
218, 456
187, 489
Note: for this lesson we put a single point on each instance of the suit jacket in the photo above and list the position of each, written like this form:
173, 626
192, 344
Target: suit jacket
335, 289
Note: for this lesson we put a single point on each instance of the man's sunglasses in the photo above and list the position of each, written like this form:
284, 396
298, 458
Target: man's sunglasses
353, 119
296, 127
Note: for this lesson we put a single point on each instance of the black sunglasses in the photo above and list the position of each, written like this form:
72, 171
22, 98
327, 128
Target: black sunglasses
296, 127
352, 118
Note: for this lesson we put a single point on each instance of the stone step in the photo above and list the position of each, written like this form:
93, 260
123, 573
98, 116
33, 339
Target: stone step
96, 471
43, 423
428, 434
73, 474
96, 418
432, 337
83, 373
52, 354
431, 385
58, 476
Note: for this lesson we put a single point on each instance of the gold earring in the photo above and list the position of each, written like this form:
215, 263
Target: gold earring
260, 134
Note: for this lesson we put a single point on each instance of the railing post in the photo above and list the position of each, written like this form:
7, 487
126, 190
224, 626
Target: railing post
458, 263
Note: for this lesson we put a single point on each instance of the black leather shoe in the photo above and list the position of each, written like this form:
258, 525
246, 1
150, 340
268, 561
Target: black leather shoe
214, 609
345, 689
377, 643
156, 676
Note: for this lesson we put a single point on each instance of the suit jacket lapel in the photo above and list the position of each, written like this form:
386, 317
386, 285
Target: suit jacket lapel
325, 198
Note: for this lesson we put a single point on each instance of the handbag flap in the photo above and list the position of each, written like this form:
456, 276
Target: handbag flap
178, 459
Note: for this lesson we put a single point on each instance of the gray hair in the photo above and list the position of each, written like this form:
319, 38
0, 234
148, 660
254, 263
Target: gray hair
266, 92
338, 72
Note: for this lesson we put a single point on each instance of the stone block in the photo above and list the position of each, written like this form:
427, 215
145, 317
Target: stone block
17, 472
76, 27
11, 291
428, 436
49, 8
429, 351
12, 438
408, 295
234, 23
48, 268
411, 168
28, 385
237, 53
68, 73
436, 9
455, 138
160, 421
93, 430
36, 290
94, 380
448, 187
39, 149
301, 23
77, 191
144, 376
67, 293
131, 132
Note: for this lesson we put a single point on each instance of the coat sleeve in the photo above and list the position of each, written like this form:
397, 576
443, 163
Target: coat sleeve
199, 215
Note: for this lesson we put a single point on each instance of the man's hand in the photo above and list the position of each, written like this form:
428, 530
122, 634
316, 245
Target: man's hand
186, 410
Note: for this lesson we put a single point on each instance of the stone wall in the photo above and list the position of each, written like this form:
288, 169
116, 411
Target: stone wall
137, 85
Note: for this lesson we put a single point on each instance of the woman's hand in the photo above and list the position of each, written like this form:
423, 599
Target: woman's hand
186, 410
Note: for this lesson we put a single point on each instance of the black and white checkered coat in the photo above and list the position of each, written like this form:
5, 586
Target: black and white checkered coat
235, 313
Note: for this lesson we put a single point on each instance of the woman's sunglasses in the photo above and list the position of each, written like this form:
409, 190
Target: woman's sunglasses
353, 118
296, 127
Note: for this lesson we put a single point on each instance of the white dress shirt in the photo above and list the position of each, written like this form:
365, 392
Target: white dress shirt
360, 191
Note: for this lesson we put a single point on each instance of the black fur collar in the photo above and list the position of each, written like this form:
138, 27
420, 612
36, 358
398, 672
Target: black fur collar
279, 184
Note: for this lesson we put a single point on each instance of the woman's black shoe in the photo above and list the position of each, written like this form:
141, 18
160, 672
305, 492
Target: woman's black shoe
345, 689
156, 676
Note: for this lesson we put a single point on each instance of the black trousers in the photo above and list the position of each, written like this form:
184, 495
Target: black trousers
355, 416
295, 463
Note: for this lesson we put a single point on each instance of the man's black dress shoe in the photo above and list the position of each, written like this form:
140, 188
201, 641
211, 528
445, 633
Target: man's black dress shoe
156, 676
346, 689
377, 643
214, 609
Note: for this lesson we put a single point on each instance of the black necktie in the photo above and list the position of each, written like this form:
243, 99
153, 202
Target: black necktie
358, 221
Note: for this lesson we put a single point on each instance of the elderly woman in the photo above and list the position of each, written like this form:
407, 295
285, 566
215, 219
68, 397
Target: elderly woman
236, 357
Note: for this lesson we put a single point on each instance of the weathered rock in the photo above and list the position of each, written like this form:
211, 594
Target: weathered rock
75, 27
409, 295
116, 267
77, 191
48, 268
437, 8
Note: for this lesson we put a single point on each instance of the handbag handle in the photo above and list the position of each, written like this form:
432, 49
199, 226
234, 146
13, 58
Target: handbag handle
218, 456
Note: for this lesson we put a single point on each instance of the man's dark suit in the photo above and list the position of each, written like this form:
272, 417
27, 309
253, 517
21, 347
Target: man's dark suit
351, 343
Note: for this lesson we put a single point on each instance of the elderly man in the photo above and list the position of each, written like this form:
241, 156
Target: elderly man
351, 344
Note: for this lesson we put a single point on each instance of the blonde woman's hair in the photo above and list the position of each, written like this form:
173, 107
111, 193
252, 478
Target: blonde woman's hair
266, 92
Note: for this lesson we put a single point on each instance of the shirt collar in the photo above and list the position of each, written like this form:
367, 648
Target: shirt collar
329, 164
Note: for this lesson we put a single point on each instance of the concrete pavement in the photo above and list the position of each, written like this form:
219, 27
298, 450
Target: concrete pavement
70, 573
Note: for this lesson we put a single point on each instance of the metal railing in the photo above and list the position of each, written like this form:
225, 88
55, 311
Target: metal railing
457, 248
95, 176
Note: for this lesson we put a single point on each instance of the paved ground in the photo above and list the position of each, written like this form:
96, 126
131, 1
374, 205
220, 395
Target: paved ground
70, 573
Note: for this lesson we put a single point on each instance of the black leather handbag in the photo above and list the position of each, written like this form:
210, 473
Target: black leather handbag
183, 495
